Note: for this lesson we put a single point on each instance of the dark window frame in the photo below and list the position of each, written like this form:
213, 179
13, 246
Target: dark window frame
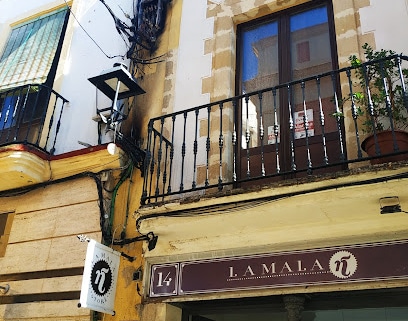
285, 67
37, 96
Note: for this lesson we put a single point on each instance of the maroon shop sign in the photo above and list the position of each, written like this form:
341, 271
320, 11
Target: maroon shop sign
368, 262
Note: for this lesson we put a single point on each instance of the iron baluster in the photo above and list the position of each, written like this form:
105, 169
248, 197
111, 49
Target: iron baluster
149, 152
9, 114
322, 122
276, 130
247, 135
173, 119
183, 152
152, 164
234, 140
23, 109
57, 128
292, 131
154, 161
207, 147
195, 148
306, 127
221, 146
6, 117
159, 157
261, 134
14, 119
43, 116
403, 87
338, 117
165, 168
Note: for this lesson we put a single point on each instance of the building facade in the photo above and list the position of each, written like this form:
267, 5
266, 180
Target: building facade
265, 205
58, 180
239, 185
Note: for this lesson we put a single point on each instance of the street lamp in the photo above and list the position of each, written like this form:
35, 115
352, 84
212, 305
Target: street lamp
116, 83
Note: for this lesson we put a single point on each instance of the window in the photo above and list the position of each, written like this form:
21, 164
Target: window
31, 50
6, 219
27, 70
284, 47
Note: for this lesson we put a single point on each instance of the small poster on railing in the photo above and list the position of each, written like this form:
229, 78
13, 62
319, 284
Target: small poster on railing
272, 136
300, 131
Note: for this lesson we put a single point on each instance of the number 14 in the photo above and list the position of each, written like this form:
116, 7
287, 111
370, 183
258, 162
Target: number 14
167, 280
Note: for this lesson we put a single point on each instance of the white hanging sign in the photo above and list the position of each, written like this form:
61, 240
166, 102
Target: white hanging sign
100, 278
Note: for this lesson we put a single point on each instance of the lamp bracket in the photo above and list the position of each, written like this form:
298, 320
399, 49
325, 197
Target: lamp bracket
149, 237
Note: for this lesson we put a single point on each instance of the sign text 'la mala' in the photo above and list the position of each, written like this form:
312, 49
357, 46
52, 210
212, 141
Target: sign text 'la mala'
367, 262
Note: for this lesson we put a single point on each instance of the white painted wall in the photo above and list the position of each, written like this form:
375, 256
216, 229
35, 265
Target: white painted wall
80, 59
389, 22
192, 66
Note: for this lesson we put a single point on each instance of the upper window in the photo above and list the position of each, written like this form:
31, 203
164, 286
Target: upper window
27, 69
285, 47
30, 51
291, 45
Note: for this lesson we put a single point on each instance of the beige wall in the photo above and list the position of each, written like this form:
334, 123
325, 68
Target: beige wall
44, 256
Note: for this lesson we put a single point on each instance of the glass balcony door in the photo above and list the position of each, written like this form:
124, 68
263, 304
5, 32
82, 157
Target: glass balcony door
291, 127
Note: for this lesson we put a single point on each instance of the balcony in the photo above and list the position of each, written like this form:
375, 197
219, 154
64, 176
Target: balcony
239, 142
31, 115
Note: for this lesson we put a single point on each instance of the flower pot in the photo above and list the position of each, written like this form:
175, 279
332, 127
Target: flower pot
386, 145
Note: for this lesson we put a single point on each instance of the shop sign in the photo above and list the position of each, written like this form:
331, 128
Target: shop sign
99, 278
358, 263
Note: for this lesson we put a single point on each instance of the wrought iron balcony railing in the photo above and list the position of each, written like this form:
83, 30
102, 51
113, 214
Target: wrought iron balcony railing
308, 126
31, 114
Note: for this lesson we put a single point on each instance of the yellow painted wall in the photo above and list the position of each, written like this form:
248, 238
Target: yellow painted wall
159, 95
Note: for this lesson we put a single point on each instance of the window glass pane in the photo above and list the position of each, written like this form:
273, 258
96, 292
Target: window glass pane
310, 43
260, 57
30, 51
259, 70
7, 112
311, 55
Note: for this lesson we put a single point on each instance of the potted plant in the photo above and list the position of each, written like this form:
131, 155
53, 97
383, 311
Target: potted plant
381, 103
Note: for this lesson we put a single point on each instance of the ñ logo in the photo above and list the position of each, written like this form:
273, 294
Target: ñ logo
343, 264
101, 277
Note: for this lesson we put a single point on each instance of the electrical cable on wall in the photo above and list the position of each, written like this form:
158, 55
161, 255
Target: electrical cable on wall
90, 37
141, 36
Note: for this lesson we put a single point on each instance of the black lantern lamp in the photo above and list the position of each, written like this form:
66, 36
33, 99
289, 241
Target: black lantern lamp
116, 83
